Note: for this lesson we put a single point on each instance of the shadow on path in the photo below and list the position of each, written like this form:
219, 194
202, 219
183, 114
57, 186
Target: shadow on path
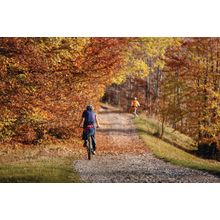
117, 130
110, 112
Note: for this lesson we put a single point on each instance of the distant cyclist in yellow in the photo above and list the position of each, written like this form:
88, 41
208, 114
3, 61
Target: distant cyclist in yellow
135, 104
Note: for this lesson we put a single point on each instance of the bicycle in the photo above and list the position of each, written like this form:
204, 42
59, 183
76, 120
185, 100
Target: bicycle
89, 145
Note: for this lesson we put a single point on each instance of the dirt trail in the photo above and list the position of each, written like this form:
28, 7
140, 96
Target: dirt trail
123, 157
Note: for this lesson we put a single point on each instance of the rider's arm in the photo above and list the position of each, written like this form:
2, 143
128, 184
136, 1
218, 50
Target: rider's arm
82, 119
81, 122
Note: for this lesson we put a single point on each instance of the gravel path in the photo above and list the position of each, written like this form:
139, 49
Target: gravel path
123, 157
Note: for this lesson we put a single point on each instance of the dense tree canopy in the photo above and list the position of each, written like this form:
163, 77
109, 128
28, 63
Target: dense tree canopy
52, 79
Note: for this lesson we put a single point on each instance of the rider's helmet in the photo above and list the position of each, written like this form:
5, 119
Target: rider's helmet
89, 107
135, 98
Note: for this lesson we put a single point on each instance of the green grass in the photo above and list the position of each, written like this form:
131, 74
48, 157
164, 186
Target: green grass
55, 170
175, 147
44, 163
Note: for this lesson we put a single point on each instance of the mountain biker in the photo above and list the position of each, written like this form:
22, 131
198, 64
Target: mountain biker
89, 120
135, 104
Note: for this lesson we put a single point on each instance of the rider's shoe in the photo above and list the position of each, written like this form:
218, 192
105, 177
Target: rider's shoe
93, 152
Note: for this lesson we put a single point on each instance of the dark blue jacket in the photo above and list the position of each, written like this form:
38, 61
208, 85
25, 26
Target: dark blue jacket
89, 117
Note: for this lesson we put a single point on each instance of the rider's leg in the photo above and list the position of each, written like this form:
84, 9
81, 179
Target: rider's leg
135, 111
93, 142
84, 137
93, 138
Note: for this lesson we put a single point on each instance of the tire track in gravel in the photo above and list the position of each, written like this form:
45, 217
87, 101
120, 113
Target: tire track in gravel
123, 157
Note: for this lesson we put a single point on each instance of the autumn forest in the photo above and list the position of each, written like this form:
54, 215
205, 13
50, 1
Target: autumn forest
46, 82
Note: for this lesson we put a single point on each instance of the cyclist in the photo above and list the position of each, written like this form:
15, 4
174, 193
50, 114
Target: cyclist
89, 120
135, 104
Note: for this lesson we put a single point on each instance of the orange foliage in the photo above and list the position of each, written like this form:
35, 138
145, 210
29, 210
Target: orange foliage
46, 82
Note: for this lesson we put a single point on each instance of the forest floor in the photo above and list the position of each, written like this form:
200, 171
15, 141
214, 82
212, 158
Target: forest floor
122, 156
